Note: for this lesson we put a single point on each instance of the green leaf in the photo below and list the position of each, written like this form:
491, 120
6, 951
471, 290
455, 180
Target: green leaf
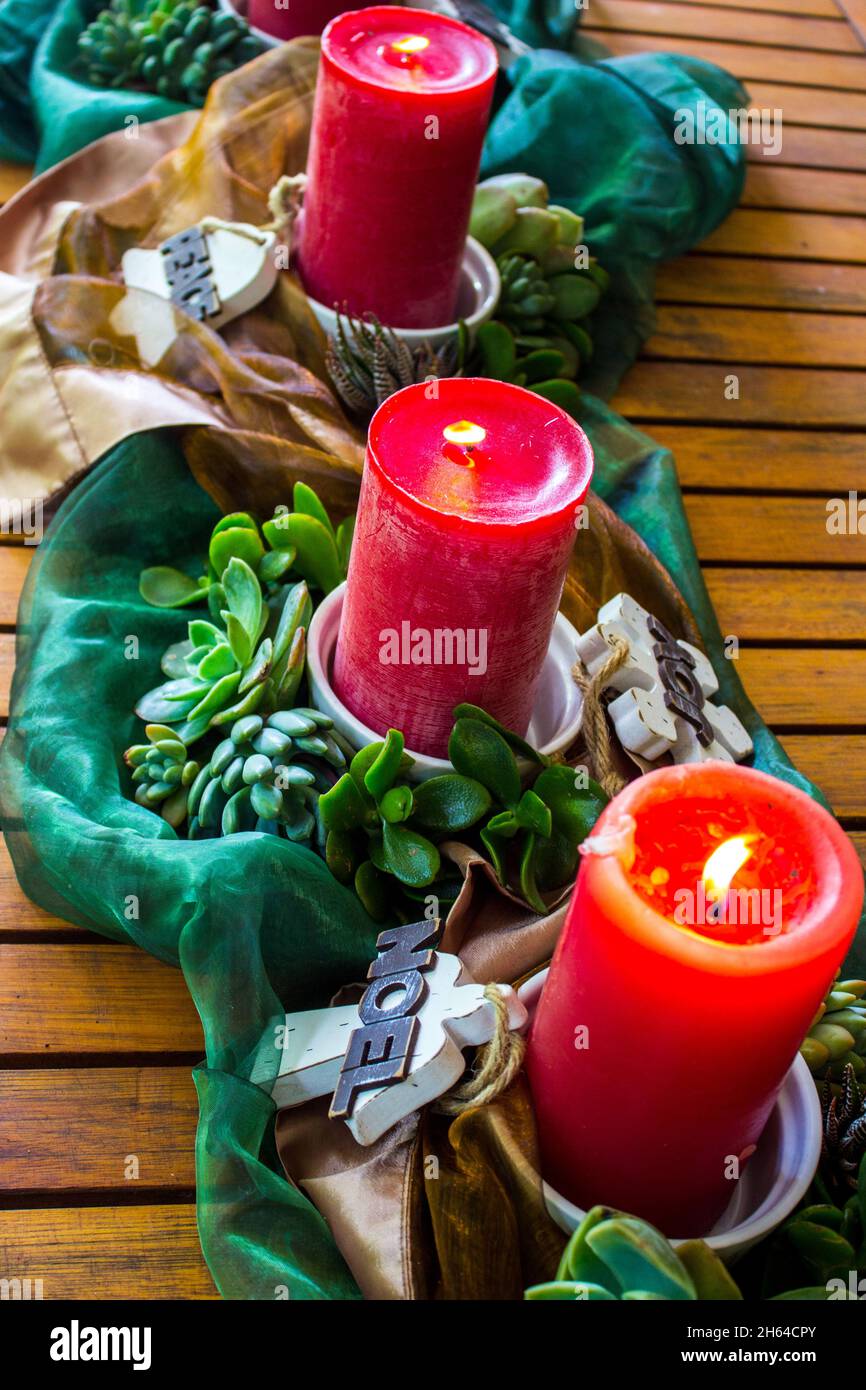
579, 1263
372, 888
274, 564
364, 760
259, 668
343, 807
243, 597
164, 587
825, 1251
317, 559
574, 808
219, 695
532, 814
708, 1274
565, 394
640, 1258
582, 1293
450, 803
345, 536
232, 520
408, 856
341, 855
204, 634
495, 837
495, 345
240, 641
305, 499
218, 662
478, 751
396, 805
236, 543
528, 885
248, 705
296, 613
382, 771
520, 746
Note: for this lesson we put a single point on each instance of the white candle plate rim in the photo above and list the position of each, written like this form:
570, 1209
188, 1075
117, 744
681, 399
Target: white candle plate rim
321, 641
797, 1130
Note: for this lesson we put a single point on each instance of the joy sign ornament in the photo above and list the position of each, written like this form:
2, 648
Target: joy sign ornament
399, 1048
665, 685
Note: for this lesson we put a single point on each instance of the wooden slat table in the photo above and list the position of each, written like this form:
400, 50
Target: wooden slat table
96, 1040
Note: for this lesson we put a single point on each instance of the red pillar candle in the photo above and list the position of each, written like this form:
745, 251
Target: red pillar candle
287, 19
401, 109
670, 1015
466, 521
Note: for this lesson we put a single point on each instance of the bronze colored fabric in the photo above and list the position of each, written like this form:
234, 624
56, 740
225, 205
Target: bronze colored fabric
492, 1234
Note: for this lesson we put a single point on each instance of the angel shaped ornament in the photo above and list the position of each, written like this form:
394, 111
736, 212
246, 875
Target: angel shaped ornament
665, 685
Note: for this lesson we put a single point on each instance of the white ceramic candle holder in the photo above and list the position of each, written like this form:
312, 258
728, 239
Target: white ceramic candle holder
774, 1180
555, 717
477, 298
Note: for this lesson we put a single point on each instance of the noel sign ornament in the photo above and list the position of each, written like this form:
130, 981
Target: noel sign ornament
213, 272
399, 1048
665, 685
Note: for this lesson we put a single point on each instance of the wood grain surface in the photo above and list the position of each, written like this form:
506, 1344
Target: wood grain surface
97, 1106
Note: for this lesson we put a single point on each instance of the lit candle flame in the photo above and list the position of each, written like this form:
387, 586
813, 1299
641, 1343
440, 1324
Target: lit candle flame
464, 432
725, 861
413, 43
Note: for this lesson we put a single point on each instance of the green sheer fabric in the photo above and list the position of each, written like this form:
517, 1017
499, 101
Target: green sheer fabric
257, 924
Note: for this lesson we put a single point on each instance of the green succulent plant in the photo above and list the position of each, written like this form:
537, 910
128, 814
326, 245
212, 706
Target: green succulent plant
539, 337
823, 1241
837, 1037
268, 775
298, 544
171, 47
367, 363
382, 832
615, 1257
254, 659
162, 772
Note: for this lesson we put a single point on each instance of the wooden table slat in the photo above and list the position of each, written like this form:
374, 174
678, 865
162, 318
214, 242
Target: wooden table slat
837, 763
757, 336
759, 605
765, 460
716, 22
766, 395
136, 1252
756, 284
789, 66
56, 1000
791, 531
129, 1128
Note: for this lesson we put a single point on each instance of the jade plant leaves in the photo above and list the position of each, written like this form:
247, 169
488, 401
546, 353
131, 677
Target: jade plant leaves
315, 546
476, 750
450, 803
410, 857
236, 543
164, 587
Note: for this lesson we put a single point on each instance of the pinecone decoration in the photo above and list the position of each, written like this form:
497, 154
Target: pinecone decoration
367, 363
837, 1038
162, 772
171, 47
843, 1108
268, 775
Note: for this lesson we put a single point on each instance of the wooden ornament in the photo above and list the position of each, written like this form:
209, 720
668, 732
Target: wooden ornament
399, 1048
665, 685
213, 272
